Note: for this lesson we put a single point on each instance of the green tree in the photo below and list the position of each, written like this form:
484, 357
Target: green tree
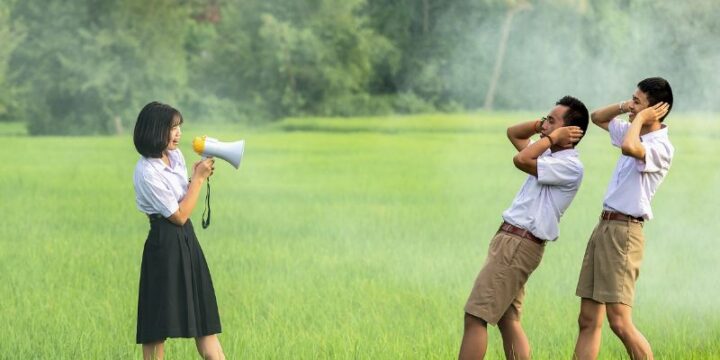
10, 36
277, 58
90, 66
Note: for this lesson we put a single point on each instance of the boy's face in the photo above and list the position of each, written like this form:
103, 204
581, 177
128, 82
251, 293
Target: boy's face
639, 103
554, 120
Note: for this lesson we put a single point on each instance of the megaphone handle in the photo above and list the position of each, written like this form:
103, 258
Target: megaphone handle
206, 222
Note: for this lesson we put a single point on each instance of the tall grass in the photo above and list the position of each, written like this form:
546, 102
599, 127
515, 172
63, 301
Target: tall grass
342, 239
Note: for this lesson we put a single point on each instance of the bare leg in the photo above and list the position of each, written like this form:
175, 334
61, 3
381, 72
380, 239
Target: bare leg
590, 322
515, 342
620, 319
154, 351
209, 347
474, 342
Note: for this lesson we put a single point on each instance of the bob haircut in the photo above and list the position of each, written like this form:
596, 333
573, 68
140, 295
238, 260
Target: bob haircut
152, 129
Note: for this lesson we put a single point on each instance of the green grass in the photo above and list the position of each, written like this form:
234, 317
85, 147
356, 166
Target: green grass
341, 239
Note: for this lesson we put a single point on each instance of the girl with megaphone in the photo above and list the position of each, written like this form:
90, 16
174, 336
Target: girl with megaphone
177, 298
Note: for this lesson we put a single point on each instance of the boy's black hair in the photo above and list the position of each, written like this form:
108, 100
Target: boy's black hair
657, 90
576, 114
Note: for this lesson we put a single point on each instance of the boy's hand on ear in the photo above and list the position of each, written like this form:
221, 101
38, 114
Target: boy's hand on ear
653, 113
566, 136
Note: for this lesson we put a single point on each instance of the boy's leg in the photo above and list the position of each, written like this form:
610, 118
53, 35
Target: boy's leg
620, 319
475, 337
515, 342
590, 322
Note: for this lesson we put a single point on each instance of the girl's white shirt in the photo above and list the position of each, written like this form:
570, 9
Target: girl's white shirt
159, 188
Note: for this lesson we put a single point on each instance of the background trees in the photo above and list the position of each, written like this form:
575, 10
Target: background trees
87, 66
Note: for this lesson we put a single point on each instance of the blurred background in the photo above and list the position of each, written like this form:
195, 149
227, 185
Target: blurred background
88, 66
375, 172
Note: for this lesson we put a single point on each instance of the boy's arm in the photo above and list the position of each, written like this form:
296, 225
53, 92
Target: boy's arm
526, 159
631, 145
601, 117
519, 135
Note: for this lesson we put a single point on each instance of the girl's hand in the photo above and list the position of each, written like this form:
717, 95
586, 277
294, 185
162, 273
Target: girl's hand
203, 169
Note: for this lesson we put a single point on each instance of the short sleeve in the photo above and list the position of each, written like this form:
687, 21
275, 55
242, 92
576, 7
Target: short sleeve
657, 157
158, 195
558, 171
618, 129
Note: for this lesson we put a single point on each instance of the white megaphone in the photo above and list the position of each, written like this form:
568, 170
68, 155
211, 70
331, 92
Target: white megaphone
231, 152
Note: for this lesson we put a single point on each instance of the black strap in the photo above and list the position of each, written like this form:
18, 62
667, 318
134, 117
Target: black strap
206, 222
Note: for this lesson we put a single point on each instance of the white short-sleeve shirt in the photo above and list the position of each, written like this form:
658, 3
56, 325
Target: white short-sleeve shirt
634, 181
160, 188
542, 200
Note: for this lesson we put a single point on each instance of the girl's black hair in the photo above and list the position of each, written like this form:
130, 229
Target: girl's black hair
152, 129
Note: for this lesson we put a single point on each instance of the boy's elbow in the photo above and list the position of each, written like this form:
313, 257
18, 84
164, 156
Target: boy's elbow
519, 161
595, 118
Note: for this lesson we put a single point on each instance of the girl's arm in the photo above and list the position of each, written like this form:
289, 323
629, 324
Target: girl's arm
201, 171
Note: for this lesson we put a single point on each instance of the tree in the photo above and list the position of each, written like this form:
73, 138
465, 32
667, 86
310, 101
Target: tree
90, 67
10, 36
513, 8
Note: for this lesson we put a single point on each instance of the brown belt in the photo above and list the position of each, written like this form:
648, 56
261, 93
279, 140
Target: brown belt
611, 215
512, 229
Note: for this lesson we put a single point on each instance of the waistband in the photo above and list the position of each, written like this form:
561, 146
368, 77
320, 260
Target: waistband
612, 215
512, 229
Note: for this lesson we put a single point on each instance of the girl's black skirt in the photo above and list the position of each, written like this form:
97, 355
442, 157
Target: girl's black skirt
177, 298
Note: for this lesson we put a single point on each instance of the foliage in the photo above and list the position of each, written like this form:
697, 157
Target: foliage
87, 66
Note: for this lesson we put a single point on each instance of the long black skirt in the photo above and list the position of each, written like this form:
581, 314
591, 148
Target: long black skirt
177, 298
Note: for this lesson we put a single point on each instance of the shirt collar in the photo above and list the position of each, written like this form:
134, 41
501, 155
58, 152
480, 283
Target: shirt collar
657, 134
564, 153
159, 165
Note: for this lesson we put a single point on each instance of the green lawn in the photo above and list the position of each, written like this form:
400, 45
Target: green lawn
341, 239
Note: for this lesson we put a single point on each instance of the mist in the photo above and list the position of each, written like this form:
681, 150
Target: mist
87, 67
596, 51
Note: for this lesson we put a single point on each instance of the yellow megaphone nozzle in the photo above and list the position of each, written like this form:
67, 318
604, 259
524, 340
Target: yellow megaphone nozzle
199, 144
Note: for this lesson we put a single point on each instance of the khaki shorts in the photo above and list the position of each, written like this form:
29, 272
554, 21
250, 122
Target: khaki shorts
612, 261
500, 286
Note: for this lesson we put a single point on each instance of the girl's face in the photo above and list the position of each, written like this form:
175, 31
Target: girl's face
175, 134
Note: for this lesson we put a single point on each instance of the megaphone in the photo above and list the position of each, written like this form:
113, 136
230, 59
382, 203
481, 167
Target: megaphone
231, 152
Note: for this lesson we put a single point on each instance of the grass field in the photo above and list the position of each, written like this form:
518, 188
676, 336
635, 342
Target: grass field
341, 239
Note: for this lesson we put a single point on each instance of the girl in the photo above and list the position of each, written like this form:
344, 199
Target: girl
176, 298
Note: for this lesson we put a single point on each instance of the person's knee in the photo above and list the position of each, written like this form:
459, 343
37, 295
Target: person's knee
506, 324
472, 321
587, 321
212, 353
620, 326
155, 344
209, 347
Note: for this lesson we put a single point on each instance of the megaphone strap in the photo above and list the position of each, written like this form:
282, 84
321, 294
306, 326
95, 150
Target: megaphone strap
206, 222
